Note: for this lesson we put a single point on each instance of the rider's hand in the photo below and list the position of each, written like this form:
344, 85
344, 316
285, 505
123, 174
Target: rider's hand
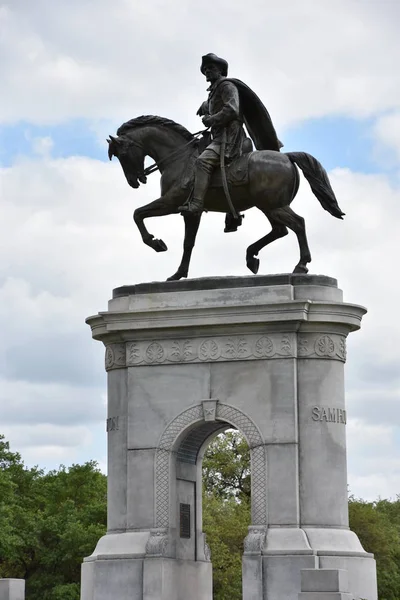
207, 120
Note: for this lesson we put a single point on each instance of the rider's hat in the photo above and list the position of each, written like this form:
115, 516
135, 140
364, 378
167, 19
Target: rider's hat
211, 58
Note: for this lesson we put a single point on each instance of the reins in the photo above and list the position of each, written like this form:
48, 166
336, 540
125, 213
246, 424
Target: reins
156, 166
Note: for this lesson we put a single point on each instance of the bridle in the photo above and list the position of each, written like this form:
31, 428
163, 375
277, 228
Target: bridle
168, 159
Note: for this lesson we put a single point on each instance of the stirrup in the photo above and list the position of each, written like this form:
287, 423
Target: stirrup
232, 223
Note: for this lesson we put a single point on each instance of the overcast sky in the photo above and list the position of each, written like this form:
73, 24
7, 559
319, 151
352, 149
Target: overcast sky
71, 73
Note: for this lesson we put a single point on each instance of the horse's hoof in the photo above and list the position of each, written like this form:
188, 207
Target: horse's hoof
159, 246
300, 269
253, 264
178, 275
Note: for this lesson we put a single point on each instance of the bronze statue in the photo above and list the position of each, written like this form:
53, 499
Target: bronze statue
192, 182
230, 103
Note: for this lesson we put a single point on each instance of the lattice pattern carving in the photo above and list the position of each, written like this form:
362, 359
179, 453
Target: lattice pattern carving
225, 412
239, 420
163, 460
258, 486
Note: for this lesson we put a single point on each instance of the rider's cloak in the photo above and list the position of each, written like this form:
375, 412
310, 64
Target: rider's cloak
256, 118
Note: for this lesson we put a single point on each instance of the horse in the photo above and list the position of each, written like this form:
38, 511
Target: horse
272, 184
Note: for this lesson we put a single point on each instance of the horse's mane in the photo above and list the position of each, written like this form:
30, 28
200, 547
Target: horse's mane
154, 120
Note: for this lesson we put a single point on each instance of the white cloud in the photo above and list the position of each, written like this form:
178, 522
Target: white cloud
304, 59
374, 466
25, 403
387, 133
42, 146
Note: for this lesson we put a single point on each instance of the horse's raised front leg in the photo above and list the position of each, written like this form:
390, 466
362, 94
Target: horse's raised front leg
157, 208
192, 223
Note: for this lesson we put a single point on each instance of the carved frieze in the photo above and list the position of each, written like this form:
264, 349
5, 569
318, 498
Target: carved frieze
225, 348
115, 356
312, 345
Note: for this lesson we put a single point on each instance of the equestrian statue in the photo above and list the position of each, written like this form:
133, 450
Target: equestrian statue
217, 170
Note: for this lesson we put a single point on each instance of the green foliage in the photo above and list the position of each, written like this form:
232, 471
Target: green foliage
48, 523
377, 524
226, 467
226, 510
225, 523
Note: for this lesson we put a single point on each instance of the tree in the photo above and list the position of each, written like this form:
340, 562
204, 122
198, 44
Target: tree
377, 524
48, 523
226, 467
226, 510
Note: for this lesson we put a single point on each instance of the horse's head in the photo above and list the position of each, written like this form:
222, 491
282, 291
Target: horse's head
131, 157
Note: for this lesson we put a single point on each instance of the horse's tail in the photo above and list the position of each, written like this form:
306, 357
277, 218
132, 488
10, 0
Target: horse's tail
318, 179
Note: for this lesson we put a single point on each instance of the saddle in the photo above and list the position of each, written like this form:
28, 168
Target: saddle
237, 171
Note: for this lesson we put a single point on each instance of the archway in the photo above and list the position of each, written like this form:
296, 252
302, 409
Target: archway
178, 480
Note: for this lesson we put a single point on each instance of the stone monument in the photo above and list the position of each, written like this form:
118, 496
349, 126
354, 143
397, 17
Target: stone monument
189, 359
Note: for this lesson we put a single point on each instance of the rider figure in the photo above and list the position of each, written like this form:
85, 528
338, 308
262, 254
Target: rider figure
230, 104
220, 112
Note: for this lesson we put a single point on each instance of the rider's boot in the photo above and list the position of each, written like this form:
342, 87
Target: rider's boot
232, 223
195, 204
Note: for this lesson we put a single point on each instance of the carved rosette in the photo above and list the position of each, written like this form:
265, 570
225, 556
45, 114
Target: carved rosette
157, 543
255, 540
315, 345
115, 357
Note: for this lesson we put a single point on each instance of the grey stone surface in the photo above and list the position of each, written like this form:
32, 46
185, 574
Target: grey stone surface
117, 450
282, 575
325, 596
107, 579
186, 360
328, 540
324, 580
12, 589
166, 579
283, 496
265, 392
286, 540
252, 578
157, 397
218, 283
140, 492
323, 467
361, 572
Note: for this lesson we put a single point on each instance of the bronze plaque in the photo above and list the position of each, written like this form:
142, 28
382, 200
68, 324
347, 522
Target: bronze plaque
184, 518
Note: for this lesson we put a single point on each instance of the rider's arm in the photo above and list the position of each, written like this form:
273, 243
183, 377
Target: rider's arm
203, 110
231, 108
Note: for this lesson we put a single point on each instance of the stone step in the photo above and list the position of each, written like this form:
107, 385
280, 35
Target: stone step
12, 589
324, 584
325, 596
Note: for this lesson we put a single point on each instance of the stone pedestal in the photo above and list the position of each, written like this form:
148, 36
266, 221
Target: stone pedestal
12, 589
188, 359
